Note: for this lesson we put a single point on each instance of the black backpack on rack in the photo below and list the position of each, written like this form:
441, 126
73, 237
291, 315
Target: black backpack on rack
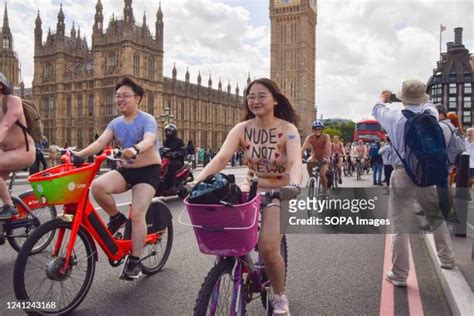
216, 189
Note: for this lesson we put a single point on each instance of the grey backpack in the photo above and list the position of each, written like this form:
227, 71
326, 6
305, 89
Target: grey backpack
456, 144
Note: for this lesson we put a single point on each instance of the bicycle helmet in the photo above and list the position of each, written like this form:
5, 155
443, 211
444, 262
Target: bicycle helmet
318, 124
171, 130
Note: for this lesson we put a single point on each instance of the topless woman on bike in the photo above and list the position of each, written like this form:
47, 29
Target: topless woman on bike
272, 148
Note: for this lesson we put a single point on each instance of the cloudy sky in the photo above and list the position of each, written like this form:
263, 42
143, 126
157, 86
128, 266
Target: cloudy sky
362, 47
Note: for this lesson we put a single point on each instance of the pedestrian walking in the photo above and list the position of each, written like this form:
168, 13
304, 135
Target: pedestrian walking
377, 163
388, 155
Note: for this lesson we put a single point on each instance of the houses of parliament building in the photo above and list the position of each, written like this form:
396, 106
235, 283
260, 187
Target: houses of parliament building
74, 84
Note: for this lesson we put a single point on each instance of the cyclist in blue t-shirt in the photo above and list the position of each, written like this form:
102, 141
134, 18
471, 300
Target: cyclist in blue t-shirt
136, 132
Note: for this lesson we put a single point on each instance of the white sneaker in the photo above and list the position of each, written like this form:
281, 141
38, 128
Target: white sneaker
280, 305
391, 277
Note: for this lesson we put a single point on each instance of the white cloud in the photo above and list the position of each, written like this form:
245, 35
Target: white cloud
362, 46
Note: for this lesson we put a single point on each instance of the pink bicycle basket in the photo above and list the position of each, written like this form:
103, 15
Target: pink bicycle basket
225, 231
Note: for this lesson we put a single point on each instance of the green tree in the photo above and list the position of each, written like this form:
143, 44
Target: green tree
332, 132
346, 130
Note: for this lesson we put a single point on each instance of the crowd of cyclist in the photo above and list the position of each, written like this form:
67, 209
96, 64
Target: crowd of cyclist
333, 156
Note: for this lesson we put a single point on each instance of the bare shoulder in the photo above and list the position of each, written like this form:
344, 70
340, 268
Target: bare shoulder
289, 127
13, 101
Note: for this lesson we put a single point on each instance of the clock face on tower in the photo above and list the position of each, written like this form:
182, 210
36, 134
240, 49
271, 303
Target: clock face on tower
282, 3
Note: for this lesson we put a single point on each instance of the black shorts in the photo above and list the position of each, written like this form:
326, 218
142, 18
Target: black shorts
149, 174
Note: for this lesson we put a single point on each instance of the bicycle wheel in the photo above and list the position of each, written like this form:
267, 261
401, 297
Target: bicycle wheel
157, 254
310, 186
335, 178
346, 169
217, 291
17, 237
40, 277
264, 296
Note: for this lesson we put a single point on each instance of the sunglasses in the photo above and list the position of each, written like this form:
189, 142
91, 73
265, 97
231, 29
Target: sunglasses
317, 129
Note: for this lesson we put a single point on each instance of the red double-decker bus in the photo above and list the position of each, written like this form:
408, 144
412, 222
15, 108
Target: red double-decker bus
368, 131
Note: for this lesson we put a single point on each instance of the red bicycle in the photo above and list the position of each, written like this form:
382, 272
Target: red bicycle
56, 280
32, 212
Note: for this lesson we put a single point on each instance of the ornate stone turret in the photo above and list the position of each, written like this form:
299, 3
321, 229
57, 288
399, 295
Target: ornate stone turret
174, 72
98, 19
38, 32
159, 27
209, 82
60, 26
199, 78
128, 13
73, 31
187, 75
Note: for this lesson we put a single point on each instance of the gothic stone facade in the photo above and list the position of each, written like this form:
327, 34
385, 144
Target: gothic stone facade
74, 85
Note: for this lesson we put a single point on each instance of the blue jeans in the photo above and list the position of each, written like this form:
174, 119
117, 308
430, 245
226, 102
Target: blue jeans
378, 172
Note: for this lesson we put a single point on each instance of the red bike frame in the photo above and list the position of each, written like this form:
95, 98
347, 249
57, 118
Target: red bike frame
84, 215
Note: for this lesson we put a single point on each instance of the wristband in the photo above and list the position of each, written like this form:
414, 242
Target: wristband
136, 149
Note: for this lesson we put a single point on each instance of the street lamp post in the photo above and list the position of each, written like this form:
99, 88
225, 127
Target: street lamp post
166, 117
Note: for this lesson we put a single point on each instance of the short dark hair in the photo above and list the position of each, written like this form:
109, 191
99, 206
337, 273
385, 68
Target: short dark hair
127, 81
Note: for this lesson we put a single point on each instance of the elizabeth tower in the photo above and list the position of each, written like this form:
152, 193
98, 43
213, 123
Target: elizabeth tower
293, 55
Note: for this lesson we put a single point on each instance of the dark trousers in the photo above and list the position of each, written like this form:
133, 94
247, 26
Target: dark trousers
174, 166
387, 170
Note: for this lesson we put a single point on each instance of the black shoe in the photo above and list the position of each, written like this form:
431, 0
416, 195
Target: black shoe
116, 222
132, 269
340, 181
8, 212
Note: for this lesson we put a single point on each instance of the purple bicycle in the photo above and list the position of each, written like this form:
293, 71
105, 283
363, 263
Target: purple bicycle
231, 233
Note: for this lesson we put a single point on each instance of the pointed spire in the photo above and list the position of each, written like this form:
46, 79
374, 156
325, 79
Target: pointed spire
60, 26
229, 87
219, 85
78, 32
38, 19
237, 90
144, 19
73, 30
98, 6
249, 80
187, 74
199, 78
5, 19
159, 13
61, 13
209, 82
174, 72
